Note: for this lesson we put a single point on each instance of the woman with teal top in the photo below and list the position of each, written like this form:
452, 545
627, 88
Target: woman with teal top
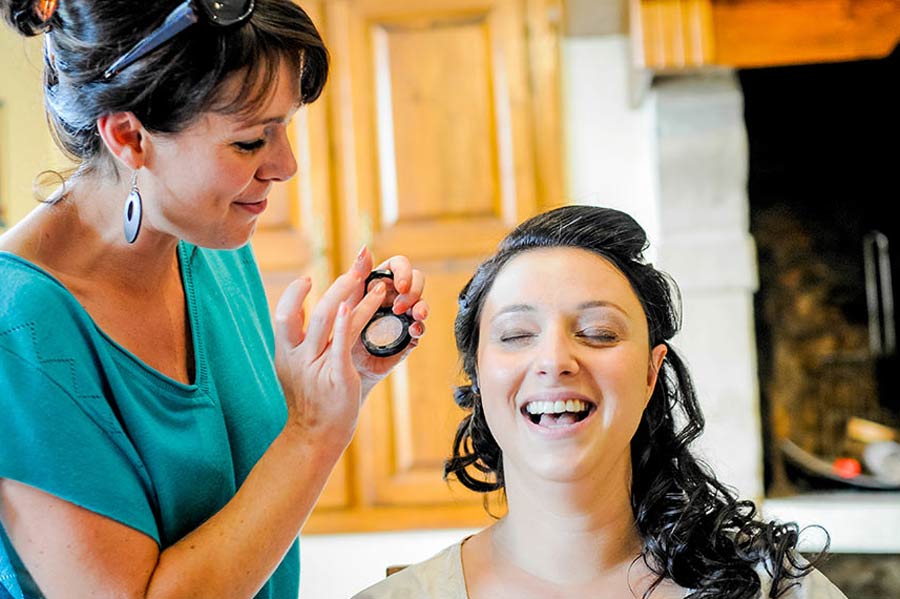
160, 439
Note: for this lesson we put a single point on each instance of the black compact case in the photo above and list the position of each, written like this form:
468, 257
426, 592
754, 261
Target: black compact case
386, 333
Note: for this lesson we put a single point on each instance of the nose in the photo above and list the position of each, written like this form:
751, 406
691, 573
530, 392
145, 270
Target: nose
281, 164
556, 355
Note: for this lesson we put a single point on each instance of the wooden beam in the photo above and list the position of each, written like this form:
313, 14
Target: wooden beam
673, 35
753, 33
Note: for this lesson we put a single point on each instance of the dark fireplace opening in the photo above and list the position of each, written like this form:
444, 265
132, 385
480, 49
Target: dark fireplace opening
823, 186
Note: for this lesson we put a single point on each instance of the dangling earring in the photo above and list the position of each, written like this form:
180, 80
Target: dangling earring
133, 208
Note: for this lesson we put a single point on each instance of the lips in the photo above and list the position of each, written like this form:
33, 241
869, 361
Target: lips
253, 207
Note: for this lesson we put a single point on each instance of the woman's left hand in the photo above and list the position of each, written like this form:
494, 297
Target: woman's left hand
405, 295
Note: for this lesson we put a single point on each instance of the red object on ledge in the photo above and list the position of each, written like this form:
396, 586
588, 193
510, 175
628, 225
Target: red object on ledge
846, 467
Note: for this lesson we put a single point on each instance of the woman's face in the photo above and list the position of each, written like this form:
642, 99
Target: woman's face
208, 184
564, 364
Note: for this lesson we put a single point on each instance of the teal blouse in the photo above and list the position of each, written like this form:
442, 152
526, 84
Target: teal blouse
85, 420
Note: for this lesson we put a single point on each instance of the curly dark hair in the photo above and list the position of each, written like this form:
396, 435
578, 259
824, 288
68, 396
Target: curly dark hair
169, 88
693, 528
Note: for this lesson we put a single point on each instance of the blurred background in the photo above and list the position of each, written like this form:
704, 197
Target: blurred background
755, 140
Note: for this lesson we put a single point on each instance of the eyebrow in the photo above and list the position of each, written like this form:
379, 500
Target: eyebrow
274, 119
601, 304
268, 121
277, 119
513, 308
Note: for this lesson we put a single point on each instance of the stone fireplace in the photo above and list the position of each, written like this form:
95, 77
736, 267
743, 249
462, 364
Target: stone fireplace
770, 184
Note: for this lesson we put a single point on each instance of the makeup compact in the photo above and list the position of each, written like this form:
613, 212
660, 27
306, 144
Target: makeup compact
386, 333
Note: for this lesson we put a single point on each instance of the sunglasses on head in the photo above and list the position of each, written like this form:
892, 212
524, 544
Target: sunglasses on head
221, 13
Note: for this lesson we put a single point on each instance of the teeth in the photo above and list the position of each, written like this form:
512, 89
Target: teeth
556, 407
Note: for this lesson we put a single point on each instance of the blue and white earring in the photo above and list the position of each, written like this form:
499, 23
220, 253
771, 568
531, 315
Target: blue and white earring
133, 210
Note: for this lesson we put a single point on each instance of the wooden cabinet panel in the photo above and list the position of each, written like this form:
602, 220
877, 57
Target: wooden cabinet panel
411, 420
438, 132
433, 116
436, 122
437, 142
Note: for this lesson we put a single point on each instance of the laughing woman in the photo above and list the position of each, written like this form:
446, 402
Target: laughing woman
159, 438
582, 414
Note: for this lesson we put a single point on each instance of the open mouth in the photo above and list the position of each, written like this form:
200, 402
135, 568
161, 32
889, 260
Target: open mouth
555, 414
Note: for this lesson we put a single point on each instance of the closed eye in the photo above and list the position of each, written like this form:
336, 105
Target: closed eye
250, 146
516, 337
598, 335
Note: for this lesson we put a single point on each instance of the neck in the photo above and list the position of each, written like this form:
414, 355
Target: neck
81, 238
568, 531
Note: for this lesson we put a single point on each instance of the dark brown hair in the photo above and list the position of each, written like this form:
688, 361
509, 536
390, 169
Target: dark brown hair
174, 84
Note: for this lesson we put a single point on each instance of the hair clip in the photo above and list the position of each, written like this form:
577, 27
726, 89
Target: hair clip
44, 9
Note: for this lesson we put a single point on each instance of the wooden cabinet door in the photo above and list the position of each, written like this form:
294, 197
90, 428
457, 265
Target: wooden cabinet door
295, 235
435, 156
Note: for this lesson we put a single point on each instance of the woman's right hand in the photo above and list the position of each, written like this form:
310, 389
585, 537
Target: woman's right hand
321, 385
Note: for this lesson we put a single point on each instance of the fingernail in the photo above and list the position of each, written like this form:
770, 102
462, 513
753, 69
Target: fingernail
379, 287
361, 254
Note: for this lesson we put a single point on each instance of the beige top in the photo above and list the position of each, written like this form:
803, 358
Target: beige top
441, 577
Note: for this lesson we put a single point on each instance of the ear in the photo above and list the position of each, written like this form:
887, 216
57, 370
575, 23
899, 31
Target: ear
657, 354
124, 137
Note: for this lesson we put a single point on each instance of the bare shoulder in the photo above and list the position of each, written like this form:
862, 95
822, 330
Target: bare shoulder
16, 241
26, 238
